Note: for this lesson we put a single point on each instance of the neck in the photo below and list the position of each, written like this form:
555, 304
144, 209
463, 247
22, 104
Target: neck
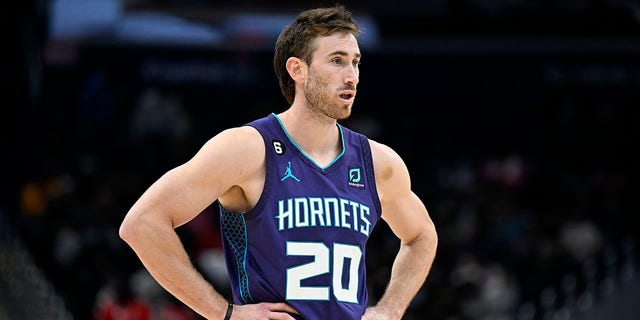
317, 135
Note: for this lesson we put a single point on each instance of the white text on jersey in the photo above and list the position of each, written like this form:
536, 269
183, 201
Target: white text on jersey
323, 212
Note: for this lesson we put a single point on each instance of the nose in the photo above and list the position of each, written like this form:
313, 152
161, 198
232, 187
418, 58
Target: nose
352, 75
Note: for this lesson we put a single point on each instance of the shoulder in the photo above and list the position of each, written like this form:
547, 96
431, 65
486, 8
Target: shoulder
237, 147
391, 172
236, 139
385, 159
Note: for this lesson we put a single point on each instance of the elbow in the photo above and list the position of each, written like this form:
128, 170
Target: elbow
429, 238
126, 231
129, 230
433, 236
139, 225
426, 240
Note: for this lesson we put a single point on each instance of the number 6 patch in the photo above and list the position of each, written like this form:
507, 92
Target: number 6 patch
278, 147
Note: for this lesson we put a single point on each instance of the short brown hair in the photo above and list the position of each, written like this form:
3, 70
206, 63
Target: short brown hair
295, 40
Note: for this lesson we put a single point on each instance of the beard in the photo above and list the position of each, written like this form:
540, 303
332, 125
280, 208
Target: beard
321, 99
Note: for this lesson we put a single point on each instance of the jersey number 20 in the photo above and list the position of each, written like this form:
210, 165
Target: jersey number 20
320, 265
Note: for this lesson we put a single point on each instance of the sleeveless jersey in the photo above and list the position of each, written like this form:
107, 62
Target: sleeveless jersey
304, 241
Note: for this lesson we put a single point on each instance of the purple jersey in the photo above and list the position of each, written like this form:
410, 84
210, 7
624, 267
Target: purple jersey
304, 241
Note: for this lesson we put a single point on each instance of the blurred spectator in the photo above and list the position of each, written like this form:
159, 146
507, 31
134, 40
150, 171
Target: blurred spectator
159, 129
38, 193
159, 115
581, 239
486, 290
118, 302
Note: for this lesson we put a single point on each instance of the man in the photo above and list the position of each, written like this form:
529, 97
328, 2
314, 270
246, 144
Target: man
298, 194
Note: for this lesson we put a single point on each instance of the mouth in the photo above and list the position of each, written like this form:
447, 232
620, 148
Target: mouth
347, 96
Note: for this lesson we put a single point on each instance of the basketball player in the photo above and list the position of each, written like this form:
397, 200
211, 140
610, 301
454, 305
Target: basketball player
299, 195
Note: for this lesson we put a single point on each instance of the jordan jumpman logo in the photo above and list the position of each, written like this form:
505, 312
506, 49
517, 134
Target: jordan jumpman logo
289, 174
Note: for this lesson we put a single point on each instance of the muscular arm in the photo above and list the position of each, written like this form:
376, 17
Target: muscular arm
176, 198
408, 218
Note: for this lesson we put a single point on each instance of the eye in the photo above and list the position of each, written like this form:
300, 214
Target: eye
356, 63
336, 60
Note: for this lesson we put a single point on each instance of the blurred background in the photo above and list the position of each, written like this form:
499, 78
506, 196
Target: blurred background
516, 118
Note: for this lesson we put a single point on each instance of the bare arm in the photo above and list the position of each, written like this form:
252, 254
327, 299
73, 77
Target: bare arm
408, 218
176, 198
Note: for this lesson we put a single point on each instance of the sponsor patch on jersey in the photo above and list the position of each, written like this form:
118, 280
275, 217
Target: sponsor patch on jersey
355, 178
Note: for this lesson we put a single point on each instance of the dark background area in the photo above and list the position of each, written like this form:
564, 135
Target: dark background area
517, 120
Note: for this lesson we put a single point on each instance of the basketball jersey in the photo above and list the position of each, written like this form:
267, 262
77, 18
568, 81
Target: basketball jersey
304, 241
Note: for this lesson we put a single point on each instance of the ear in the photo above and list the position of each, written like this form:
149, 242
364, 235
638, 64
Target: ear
297, 69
